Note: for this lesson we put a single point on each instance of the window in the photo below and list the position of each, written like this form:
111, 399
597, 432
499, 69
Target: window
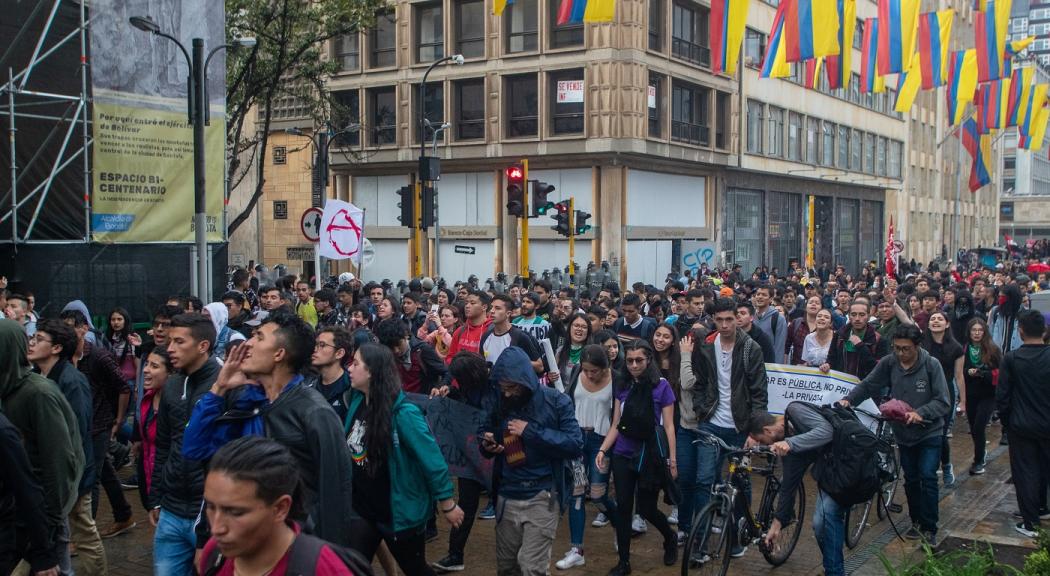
812, 140
854, 88
382, 103
434, 110
1009, 162
722, 108
843, 158
656, 25
856, 145
828, 148
858, 34
522, 25
794, 150
384, 41
776, 132
689, 114
470, 28
346, 110
430, 36
869, 153
880, 157
654, 102
470, 109
563, 35
348, 52
893, 168
754, 127
522, 100
754, 48
566, 101
689, 34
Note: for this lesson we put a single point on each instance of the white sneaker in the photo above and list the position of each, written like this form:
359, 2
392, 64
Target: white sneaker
572, 559
600, 521
681, 538
638, 526
672, 518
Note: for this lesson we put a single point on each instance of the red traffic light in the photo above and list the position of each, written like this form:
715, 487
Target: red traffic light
515, 174
562, 207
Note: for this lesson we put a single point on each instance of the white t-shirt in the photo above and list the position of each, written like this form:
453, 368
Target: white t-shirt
593, 409
723, 415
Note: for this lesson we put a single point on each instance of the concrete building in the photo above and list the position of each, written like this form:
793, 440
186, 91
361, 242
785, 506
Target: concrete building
1032, 18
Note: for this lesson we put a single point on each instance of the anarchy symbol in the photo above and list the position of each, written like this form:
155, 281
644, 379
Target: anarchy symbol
344, 238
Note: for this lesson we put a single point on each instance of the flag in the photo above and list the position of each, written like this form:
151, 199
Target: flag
1013, 49
727, 21
1029, 135
840, 66
599, 11
991, 104
811, 78
891, 253
980, 5
990, 28
962, 81
499, 5
342, 230
935, 32
908, 84
774, 62
980, 148
870, 79
571, 11
897, 20
1011, 245
811, 29
1035, 141
1020, 96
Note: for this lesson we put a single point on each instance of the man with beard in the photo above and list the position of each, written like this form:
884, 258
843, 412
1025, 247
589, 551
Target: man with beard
529, 321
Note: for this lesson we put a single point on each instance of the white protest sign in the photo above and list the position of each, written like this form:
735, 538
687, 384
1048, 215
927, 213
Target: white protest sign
342, 230
652, 97
570, 91
788, 384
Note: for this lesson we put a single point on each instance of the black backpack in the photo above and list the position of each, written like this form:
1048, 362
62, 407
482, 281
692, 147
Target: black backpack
848, 469
637, 420
302, 558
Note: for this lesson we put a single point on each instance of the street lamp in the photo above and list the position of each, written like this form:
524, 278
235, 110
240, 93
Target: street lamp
197, 105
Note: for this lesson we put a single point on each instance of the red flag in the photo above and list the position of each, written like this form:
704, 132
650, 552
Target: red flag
891, 254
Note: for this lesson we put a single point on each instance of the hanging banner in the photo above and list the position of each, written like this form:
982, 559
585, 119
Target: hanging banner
788, 384
142, 142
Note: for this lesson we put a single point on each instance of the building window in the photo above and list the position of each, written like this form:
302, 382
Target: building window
348, 52
430, 36
794, 150
776, 132
689, 33
722, 109
384, 41
828, 147
812, 140
893, 162
434, 110
654, 102
754, 127
346, 110
522, 98
522, 25
880, 157
382, 103
563, 35
470, 109
854, 88
656, 25
566, 101
856, 145
858, 34
869, 153
470, 28
844, 141
689, 112
754, 48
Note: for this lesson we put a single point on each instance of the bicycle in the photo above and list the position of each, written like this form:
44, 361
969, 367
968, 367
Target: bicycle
857, 515
728, 520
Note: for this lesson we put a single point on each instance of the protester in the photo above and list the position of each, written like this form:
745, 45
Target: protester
940, 343
768, 319
982, 359
745, 320
568, 355
855, 349
304, 303
155, 374
25, 534
632, 325
333, 348
420, 369
800, 328
818, 342
468, 336
438, 329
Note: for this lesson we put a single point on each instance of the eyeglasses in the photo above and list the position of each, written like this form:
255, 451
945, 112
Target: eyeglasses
903, 349
36, 339
323, 345
636, 360
162, 323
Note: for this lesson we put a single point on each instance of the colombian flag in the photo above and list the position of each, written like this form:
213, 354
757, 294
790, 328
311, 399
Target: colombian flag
962, 81
811, 29
498, 6
811, 79
1029, 127
1013, 49
897, 20
1035, 141
870, 80
908, 84
1020, 96
839, 67
599, 10
726, 22
991, 104
774, 63
935, 32
990, 27
980, 148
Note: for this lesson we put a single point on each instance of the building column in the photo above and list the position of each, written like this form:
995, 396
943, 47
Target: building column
611, 198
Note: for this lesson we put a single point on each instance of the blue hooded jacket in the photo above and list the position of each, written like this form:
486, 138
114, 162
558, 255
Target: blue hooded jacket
551, 437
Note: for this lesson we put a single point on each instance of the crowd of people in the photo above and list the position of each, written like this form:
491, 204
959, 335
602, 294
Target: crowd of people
272, 429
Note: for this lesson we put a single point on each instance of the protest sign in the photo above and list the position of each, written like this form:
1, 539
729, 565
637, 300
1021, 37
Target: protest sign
455, 426
788, 384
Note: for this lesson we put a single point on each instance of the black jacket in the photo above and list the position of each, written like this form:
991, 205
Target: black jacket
75, 388
864, 357
23, 521
764, 341
107, 384
748, 379
333, 394
1023, 393
178, 483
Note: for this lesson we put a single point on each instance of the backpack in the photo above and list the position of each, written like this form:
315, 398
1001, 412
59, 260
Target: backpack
302, 558
848, 469
637, 420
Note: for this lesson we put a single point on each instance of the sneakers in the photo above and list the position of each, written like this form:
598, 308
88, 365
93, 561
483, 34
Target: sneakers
131, 483
638, 526
600, 521
977, 469
450, 563
1025, 529
912, 534
621, 569
738, 551
681, 538
672, 518
670, 553
118, 528
930, 537
949, 476
572, 559
488, 513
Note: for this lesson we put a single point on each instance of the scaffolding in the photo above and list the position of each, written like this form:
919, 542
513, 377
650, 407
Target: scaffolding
58, 124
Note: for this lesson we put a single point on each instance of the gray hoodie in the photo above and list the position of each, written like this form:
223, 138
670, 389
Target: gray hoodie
922, 386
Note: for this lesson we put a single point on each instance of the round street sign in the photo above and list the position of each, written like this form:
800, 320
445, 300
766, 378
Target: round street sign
310, 224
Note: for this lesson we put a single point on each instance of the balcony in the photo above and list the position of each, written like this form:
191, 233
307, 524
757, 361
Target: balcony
690, 133
690, 52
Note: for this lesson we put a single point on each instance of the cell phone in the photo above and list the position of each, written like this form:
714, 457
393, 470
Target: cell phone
434, 308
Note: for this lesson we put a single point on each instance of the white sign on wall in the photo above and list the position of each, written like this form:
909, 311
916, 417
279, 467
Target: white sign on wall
652, 97
570, 91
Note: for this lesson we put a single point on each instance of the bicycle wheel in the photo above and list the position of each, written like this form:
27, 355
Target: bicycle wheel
889, 489
777, 552
706, 551
857, 521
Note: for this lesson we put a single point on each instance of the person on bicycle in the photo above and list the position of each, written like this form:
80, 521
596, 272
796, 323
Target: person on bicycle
799, 437
916, 378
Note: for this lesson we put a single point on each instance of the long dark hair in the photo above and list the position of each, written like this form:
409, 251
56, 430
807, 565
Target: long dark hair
949, 339
991, 355
123, 334
602, 336
673, 355
563, 354
651, 377
384, 386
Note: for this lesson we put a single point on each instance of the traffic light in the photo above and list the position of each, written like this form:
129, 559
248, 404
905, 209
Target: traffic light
580, 222
561, 219
540, 205
407, 206
516, 190
428, 207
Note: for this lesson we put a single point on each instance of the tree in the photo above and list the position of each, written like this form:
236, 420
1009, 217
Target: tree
286, 61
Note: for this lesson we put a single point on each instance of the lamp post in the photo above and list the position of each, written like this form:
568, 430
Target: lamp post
197, 104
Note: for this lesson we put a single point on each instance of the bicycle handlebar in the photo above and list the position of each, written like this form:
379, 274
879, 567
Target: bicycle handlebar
877, 417
709, 438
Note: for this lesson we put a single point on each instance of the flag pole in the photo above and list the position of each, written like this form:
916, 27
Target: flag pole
361, 249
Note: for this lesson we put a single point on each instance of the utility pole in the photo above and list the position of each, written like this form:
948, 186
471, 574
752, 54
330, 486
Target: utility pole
525, 220
572, 238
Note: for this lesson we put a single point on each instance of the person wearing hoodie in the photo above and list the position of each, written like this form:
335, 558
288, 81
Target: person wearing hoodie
1002, 319
177, 483
220, 316
915, 377
530, 432
93, 335
24, 531
238, 312
50, 435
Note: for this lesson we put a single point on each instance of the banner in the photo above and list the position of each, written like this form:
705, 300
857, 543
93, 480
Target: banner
788, 384
455, 425
342, 230
142, 148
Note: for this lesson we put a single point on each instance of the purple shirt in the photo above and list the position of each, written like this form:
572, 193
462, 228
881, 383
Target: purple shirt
662, 396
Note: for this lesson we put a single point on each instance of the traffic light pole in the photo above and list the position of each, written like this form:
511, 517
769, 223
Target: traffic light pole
417, 225
525, 220
572, 238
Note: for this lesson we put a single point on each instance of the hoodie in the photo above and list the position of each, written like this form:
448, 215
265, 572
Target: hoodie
1002, 320
79, 306
534, 461
223, 334
1023, 393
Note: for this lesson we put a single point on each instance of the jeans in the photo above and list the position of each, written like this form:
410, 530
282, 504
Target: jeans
525, 532
829, 526
107, 476
1030, 466
699, 467
919, 463
174, 545
598, 482
949, 421
979, 413
626, 479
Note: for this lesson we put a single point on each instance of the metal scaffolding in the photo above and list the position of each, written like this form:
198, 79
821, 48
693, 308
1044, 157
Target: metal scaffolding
62, 113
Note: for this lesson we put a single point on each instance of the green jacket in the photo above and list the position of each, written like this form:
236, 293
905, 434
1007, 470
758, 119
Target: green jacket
418, 472
48, 426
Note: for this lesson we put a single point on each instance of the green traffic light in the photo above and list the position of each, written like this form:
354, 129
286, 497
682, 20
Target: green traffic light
543, 208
